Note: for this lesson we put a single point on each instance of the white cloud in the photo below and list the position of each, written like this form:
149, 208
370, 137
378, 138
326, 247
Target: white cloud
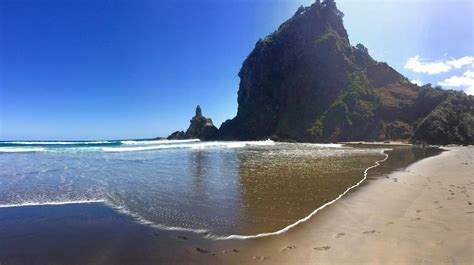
458, 63
469, 73
418, 82
466, 82
418, 65
431, 68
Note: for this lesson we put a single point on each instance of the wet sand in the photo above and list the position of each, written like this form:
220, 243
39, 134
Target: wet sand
422, 214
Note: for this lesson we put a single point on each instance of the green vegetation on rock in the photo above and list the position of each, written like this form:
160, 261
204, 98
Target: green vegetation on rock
305, 82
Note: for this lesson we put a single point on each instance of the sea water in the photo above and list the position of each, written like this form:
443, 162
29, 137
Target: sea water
217, 188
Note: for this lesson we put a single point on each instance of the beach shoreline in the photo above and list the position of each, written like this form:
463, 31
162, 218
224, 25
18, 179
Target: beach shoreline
422, 214
404, 213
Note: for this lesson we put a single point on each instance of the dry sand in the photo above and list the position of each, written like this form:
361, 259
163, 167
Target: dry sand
421, 215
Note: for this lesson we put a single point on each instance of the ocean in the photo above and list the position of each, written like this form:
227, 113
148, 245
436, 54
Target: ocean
218, 189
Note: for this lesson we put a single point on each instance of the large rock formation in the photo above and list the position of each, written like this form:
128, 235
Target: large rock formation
200, 128
305, 82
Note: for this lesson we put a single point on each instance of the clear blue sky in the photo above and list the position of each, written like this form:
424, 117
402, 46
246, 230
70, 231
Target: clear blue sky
115, 69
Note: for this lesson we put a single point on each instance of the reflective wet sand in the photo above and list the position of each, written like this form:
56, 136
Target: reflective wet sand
96, 234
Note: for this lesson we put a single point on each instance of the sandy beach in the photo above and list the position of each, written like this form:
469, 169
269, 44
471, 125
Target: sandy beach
420, 215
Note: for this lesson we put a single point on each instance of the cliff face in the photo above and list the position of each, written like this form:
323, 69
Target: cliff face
305, 82
200, 128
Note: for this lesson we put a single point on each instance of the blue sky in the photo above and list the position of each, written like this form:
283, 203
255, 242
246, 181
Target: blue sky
103, 69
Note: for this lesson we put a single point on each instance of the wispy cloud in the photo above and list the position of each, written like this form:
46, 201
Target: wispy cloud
421, 66
458, 63
418, 65
466, 82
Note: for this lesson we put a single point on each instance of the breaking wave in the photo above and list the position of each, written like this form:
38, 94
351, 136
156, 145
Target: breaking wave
148, 142
49, 203
192, 145
56, 143
19, 150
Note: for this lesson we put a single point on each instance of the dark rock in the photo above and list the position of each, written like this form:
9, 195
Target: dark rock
178, 135
209, 131
306, 83
200, 128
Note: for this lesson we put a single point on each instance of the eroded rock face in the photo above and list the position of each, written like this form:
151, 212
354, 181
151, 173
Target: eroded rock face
305, 82
200, 128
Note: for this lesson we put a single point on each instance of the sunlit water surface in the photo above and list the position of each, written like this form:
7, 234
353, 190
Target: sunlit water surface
222, 188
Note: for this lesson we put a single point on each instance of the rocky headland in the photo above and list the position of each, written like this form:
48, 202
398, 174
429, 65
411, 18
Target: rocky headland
305, 82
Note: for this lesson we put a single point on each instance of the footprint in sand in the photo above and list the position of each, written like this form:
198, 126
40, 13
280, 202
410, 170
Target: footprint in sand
230, 251
469, 203
261, 258
370, 232
416, 219
418, 211
470, 212
338, 235
390, 223
322, 248
287, 248
439, 207
450, 198
436, 202
202, 251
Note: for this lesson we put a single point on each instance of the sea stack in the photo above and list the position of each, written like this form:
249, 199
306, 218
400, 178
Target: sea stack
200, 128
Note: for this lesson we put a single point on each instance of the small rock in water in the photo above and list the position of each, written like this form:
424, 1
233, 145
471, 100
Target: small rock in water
182, 238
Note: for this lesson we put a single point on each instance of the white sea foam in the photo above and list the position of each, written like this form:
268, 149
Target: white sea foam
196, 145
49, 203
19, 150
56, 143
141, 220
148, 142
